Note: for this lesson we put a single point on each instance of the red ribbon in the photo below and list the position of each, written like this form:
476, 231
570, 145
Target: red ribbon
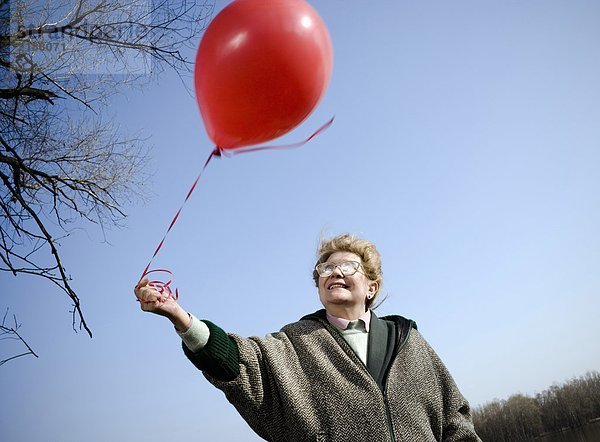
233, 152
164, 288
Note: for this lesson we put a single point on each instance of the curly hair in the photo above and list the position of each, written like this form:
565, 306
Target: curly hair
366, 250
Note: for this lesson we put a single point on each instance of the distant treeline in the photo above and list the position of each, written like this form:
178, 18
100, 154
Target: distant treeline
521, 417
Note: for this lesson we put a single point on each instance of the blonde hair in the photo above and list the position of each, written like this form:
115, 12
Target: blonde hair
366, 250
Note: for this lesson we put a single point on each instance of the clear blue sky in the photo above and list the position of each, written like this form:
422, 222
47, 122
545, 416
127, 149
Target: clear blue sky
469, 135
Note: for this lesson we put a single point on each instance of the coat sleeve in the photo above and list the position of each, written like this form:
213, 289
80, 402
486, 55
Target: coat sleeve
219, 357
236, 366
459, 426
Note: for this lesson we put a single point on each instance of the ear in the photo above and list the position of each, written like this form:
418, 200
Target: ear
373, 287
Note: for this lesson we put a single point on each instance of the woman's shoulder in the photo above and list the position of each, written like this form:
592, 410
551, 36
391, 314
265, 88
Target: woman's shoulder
400, 321
309, 322
304, 325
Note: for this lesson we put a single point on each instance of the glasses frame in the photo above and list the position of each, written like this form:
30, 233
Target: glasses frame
338, 266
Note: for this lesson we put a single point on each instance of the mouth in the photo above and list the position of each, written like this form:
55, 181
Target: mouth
337, 285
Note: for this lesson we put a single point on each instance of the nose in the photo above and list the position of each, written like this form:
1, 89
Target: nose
338, 271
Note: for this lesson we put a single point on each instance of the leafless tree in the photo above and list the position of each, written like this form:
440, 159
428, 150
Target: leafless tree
62, 159
521, 418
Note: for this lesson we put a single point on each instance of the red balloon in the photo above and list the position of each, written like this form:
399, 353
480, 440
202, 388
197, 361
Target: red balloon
261, 68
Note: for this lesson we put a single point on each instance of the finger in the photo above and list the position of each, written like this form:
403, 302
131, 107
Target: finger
147, 297
147, 294
137, 288
139, 293
142, 283
149, 306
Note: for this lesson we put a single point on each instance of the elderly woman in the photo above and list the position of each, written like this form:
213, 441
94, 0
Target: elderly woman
339, 374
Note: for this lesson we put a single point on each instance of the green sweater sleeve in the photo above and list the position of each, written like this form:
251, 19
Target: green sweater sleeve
220, 356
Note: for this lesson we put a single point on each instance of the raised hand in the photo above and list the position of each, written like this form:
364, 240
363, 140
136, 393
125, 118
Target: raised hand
151, 300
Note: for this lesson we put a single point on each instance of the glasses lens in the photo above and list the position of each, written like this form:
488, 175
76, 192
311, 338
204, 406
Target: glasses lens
325, 269
349, 267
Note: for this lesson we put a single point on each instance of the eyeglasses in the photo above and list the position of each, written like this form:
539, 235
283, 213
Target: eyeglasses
347, 268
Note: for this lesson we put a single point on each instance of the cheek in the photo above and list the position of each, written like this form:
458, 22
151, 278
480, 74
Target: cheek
321, 285
360, 285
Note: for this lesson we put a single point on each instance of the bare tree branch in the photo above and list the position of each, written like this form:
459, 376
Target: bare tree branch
8, 332
63, 161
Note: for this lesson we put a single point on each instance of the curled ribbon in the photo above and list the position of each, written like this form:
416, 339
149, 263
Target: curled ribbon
164, 288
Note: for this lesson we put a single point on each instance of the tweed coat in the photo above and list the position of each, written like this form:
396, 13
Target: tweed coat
305, 383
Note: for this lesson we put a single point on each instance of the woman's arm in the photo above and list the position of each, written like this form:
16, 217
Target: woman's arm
208, 347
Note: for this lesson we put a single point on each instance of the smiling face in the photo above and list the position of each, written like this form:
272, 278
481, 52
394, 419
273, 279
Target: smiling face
344, 296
